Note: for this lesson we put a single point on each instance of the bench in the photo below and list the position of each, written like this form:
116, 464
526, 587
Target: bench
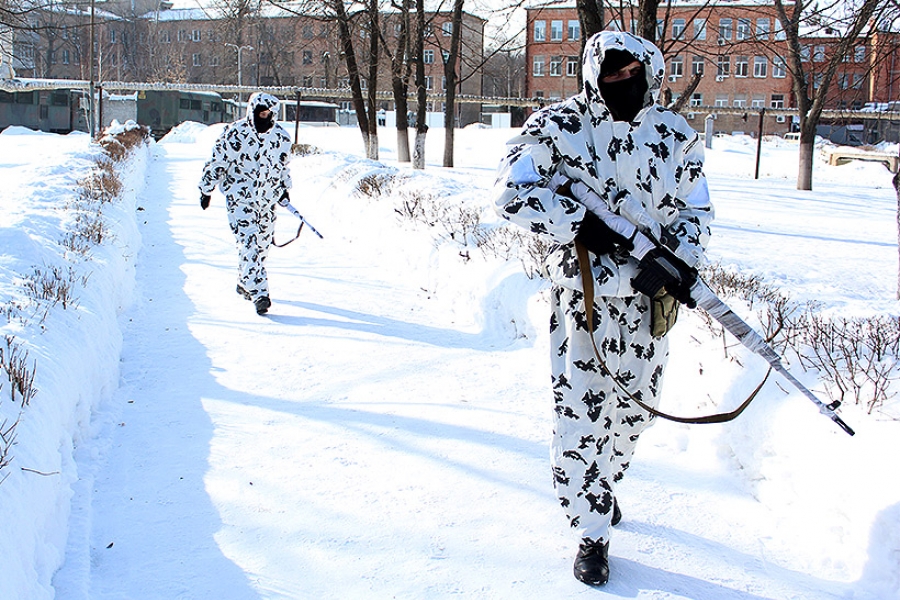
842, 157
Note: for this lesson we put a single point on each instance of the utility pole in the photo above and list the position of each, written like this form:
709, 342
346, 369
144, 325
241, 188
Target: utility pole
91, 124
239, 49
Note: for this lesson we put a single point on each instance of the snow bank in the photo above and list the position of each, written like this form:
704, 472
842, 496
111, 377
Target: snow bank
74, 352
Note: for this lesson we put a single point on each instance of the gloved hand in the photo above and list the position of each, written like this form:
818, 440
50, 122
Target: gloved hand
285, 198
204, 201
595, 235
661, 269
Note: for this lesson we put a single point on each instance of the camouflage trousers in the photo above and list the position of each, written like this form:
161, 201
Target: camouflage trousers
597, 425
253, 228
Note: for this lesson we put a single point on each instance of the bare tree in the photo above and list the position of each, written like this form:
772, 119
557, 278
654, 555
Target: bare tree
400, 73
847, 23
421, 91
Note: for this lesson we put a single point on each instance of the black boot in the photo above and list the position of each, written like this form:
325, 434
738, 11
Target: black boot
592, 563
617, 514
262, 305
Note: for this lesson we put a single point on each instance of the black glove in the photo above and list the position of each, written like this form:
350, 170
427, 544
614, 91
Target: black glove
204, 201
598, 237
661, 269
285, 198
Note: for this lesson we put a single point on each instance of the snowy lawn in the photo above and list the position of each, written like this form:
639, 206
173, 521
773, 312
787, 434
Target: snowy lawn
383, 433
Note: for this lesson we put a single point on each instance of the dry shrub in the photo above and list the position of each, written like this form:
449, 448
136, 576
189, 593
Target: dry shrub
14, 362
375, 185
304, 149
117, 146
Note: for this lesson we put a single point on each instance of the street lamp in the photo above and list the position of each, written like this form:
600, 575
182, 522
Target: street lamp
239, 49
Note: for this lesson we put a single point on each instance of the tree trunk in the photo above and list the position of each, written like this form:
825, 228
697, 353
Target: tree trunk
590, 17
897, 190
359, 104
452, 78
372, 76
421, 92
400, 83
647, 11
806, 155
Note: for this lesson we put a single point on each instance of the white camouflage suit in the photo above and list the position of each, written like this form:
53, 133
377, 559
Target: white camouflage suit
251, 170
649, 170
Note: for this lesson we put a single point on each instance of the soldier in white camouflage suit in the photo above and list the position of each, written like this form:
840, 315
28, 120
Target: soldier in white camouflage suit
250, 166
578, 171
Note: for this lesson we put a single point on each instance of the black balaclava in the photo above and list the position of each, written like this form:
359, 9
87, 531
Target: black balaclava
263, 125
624, 98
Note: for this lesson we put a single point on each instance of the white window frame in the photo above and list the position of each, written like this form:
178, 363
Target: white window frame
698, 65
678, 28
574, 31
556, 30
572, 66
763, 27
725, 29
428, 57
760, 67
196, 59
742, 66
556, 66
700, 29
537, 66
779, 67
540, 31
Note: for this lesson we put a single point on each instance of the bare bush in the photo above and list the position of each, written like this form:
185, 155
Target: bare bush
7, 441
375, 185
14, 361
858, 358
118, 146
304, 149
53, 285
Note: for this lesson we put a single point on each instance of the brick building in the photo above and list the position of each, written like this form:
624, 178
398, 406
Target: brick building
736, 46
273, 47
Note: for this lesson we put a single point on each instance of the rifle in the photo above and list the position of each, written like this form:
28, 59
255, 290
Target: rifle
303, 222
706, 299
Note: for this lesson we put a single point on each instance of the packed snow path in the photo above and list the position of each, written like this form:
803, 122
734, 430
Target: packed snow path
358, 442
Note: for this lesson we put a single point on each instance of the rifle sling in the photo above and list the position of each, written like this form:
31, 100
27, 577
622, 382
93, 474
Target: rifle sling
587, 281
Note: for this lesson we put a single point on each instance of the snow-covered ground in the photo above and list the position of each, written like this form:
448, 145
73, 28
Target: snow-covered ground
383, 432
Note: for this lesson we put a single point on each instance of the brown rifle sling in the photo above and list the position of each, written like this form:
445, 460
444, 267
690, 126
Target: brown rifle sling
587, 281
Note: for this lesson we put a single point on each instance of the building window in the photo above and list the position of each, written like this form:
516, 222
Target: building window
743, 29
819, 54
804, 53
676, 66
758, 102
859, 54
843, 81
572, 66
556, 28
323, 82
444, 82
538, 66
574, 31
196, 35
65, 57
195, 58
740, 101
762, 28
722, 100
677, 29
723, 66
182, 35
780, 34
857, 81
779, 68
112, 36
214, 61
555, 66
428, 57
660, 29
210, 35
445, 56
697, 65
447, 28
699, 29
307, 80
760, 66
741, 66
697, 99
164, 37
307, 57
428, 82
540, 31
725, 29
